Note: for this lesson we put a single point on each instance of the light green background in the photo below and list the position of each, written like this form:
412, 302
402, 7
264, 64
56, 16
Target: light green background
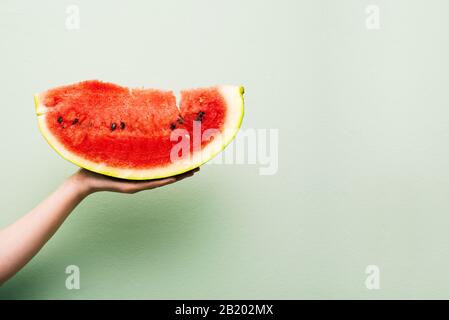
363, 119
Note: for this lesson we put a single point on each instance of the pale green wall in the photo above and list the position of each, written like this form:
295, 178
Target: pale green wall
363, 118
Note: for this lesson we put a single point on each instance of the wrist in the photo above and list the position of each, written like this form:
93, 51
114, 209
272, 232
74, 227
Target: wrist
81, 184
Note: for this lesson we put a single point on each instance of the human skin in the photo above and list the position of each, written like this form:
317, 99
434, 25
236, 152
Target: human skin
20, 241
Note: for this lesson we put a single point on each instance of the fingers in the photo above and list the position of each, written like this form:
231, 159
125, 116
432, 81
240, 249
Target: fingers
186, 174
159, 183
179, 177
145, 185
126, 186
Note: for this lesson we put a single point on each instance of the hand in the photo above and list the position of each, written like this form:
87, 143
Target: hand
91, 182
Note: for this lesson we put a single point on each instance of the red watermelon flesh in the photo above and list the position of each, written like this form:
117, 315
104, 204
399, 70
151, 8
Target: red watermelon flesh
126, 132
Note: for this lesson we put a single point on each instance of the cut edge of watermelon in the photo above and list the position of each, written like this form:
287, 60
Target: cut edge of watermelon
233, 96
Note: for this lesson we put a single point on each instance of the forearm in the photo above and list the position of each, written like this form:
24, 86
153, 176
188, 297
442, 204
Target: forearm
23, 239
20, 241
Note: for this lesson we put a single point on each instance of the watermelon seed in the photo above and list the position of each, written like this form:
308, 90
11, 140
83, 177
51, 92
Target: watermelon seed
60, 120
75, 121
200, 116
180, 120
113, 126
172, 126
122, 125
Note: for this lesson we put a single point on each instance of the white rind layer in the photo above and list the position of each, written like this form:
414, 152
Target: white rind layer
233, 96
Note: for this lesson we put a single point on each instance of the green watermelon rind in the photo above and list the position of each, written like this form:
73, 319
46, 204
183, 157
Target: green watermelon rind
234, 99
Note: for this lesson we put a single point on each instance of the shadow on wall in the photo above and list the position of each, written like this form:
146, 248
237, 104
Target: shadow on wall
113, 233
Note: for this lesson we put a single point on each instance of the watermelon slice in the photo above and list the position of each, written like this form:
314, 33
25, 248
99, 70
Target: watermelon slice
138, 134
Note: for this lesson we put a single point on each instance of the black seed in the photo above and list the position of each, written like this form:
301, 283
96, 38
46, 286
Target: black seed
180, 120
172, 126
122, 125
60, 120
200, 116
75, 121
113, 126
